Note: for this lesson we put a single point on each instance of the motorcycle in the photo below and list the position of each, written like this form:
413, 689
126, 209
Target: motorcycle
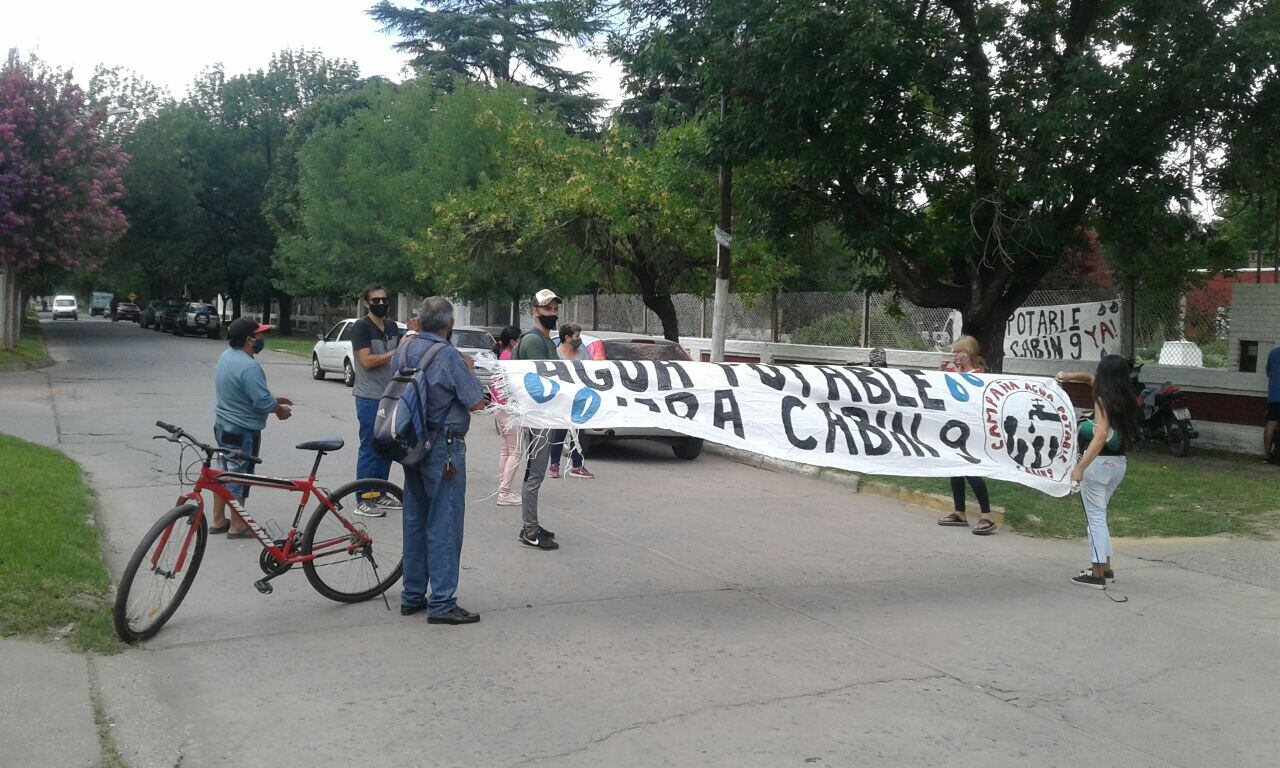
1163, 414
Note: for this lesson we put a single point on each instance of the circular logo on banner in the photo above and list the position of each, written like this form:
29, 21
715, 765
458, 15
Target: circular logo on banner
540, 388
1029, 427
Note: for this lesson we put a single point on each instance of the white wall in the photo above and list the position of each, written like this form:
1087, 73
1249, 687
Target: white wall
1255, 316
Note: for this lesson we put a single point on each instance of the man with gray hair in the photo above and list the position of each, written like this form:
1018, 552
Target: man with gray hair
435, 489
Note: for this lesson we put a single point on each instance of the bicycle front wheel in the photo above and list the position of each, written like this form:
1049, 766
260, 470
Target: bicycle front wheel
159, 573
357, 545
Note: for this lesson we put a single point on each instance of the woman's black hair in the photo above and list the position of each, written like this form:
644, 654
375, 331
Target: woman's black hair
1113, 393
508, 335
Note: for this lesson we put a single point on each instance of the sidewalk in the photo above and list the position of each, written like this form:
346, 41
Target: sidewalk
46, 714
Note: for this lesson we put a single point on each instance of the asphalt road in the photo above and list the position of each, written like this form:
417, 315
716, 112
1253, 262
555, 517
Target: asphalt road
703, 613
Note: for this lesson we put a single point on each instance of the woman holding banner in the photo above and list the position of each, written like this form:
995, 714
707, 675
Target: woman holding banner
509, 455
1104, 439
966, 357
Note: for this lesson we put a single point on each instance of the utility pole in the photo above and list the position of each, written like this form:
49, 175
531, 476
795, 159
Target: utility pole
724, 254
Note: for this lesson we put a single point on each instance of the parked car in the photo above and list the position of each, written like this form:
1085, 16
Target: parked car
126, 311
151, 313
167, 315
479, 343
332, 353
613, 345
65, 306
198, 318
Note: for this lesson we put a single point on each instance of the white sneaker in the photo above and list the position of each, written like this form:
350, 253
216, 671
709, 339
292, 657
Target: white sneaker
509, 500
370, 509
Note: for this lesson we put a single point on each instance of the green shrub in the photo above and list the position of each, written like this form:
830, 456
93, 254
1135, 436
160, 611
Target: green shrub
888, 330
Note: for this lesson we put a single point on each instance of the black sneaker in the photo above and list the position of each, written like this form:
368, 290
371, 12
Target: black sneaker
458, 615
1087, 580
536, 539
544, 532
1108, 575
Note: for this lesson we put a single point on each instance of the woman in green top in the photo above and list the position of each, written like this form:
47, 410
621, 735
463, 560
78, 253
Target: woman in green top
1102, 466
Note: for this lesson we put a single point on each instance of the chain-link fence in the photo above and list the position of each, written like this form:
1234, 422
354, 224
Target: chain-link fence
1189, 328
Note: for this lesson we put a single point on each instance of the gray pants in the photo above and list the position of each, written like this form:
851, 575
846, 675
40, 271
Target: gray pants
539, 443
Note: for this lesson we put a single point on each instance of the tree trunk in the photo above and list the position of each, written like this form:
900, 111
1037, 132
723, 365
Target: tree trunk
286, 313
237, 302
989, 331
659, 300
8, 298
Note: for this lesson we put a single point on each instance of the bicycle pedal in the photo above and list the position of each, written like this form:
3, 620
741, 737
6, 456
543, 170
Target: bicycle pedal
263, 586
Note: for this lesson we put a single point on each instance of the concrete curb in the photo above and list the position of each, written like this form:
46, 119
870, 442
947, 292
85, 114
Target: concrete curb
20, 367
935, 501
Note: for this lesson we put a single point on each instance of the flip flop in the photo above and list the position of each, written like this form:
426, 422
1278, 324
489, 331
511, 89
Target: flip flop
984, 528
245, 534
954, 519
220, 528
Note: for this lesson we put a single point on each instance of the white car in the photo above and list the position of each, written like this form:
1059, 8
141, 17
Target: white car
479, 343
332, 352
614, 345
65, 306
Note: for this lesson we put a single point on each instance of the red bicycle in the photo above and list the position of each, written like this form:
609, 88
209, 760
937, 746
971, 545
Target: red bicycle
337, 554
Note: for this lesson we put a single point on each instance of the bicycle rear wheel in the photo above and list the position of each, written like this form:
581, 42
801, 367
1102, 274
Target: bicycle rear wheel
358, 552
159, 573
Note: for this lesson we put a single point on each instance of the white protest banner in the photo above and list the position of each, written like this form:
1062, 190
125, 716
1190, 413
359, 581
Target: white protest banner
873, 420
1064, 331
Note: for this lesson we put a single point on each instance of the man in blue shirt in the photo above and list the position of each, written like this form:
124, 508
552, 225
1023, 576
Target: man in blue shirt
1273, 405
241, 405
435, 489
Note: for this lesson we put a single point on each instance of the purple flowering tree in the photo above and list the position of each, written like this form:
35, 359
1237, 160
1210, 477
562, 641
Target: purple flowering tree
59, 182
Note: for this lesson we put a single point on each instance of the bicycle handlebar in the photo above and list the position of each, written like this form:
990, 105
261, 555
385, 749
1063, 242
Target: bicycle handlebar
178, 433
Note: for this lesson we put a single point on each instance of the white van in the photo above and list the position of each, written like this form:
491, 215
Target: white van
65, 306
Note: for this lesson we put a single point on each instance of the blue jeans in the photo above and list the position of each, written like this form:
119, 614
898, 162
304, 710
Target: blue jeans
247, 441
557, 447
1101, 479
433, 516
368, 462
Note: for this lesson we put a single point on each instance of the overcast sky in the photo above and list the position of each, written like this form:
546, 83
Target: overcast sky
170, 42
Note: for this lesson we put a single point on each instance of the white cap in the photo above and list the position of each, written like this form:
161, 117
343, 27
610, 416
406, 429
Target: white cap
545, 297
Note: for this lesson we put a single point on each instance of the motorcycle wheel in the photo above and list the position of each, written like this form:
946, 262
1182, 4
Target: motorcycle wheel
1177, 435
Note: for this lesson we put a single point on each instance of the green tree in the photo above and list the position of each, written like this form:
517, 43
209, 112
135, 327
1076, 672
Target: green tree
368, 184
963, 144
497, 42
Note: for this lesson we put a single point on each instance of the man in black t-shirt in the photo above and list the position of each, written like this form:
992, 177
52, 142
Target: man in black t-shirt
373, 341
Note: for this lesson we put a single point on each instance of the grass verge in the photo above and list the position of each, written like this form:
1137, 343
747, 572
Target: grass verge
292, 345
51, 570
29, 351
1204, 495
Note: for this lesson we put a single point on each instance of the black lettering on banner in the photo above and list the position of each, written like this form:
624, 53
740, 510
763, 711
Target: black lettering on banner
834, 379
557, 368
649, 402
1075, 318
730, 375
663, 369
922, 389
908, 438
726, 412
1054, 344
770, 376
868, 378
637, 383
902, 400
874, 441
690, 404
836, 421
789, 403
804, 383
1077, 346
604, 376
958, 442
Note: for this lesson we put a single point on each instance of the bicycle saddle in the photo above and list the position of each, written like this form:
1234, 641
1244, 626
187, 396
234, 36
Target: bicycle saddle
327, 445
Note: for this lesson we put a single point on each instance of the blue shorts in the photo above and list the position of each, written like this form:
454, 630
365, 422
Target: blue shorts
248, 441
1273, 411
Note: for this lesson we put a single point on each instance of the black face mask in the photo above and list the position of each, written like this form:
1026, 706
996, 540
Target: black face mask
258, 345
548, 321
379, 310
